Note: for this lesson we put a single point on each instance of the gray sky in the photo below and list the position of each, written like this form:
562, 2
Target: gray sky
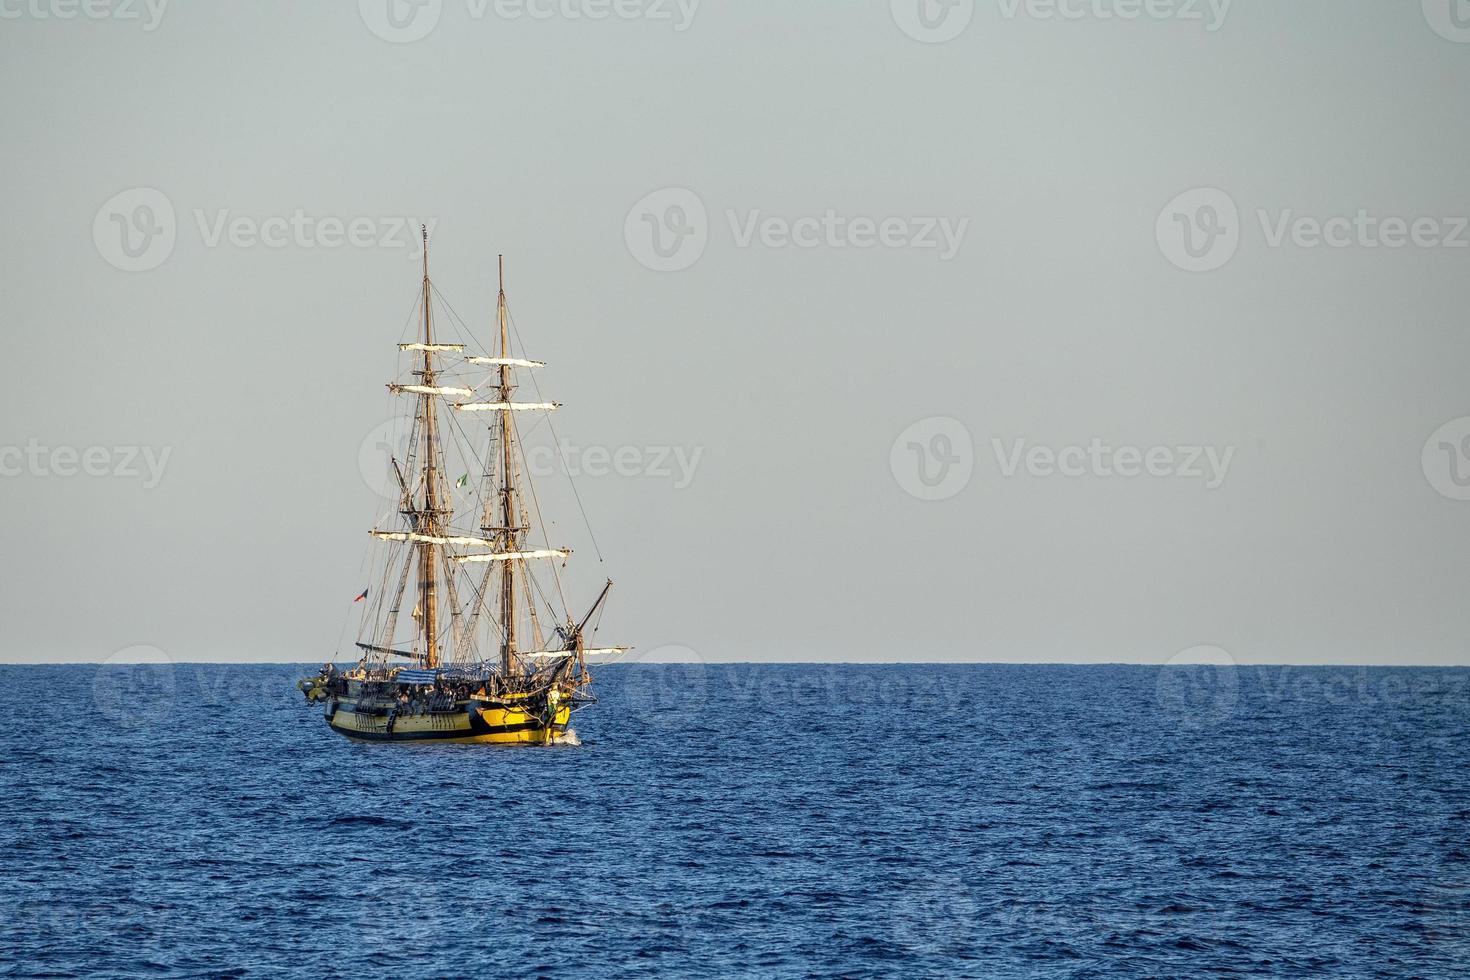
808, 377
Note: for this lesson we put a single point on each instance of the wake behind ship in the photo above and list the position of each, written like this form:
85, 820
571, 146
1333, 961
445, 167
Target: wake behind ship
490, 652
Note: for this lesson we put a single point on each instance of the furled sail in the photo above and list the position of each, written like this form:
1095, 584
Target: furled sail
507, 361
434, 348
430, 390
513, 555
507, 406
432, 539
591, 651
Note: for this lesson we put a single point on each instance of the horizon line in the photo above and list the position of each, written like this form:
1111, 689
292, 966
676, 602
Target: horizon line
779, 663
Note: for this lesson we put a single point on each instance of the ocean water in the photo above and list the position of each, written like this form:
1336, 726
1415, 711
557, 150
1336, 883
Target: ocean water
729, 821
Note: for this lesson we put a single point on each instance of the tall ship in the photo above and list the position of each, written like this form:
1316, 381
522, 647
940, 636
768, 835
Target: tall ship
465, 634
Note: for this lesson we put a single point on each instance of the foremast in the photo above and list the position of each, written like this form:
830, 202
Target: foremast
509, 529
509, 523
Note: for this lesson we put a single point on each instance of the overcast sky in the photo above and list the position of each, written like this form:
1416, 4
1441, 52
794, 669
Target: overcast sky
1000, 331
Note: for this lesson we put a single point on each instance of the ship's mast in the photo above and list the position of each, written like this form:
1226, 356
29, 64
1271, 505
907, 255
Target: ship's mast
429, 519
505, 523
508, 510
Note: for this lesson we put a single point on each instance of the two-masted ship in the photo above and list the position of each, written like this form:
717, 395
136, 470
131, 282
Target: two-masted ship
490, 651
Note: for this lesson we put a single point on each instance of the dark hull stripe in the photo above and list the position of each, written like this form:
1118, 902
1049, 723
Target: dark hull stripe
445, 735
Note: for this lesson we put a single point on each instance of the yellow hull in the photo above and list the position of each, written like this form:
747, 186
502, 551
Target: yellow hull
476, 724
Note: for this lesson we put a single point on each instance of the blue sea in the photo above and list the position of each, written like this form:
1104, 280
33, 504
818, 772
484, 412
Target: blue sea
176, 820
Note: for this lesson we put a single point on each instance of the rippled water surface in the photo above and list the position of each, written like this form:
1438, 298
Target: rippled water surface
986, 821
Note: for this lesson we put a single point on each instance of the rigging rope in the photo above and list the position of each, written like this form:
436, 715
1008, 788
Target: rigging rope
463, 645
552, 426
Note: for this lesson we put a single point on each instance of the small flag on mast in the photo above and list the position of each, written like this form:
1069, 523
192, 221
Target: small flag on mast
361, 597
463, 481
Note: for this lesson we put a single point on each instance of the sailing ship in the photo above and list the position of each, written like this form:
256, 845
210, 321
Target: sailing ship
492, 655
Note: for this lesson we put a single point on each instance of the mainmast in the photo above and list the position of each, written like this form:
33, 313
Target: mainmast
429, 519
508, 510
